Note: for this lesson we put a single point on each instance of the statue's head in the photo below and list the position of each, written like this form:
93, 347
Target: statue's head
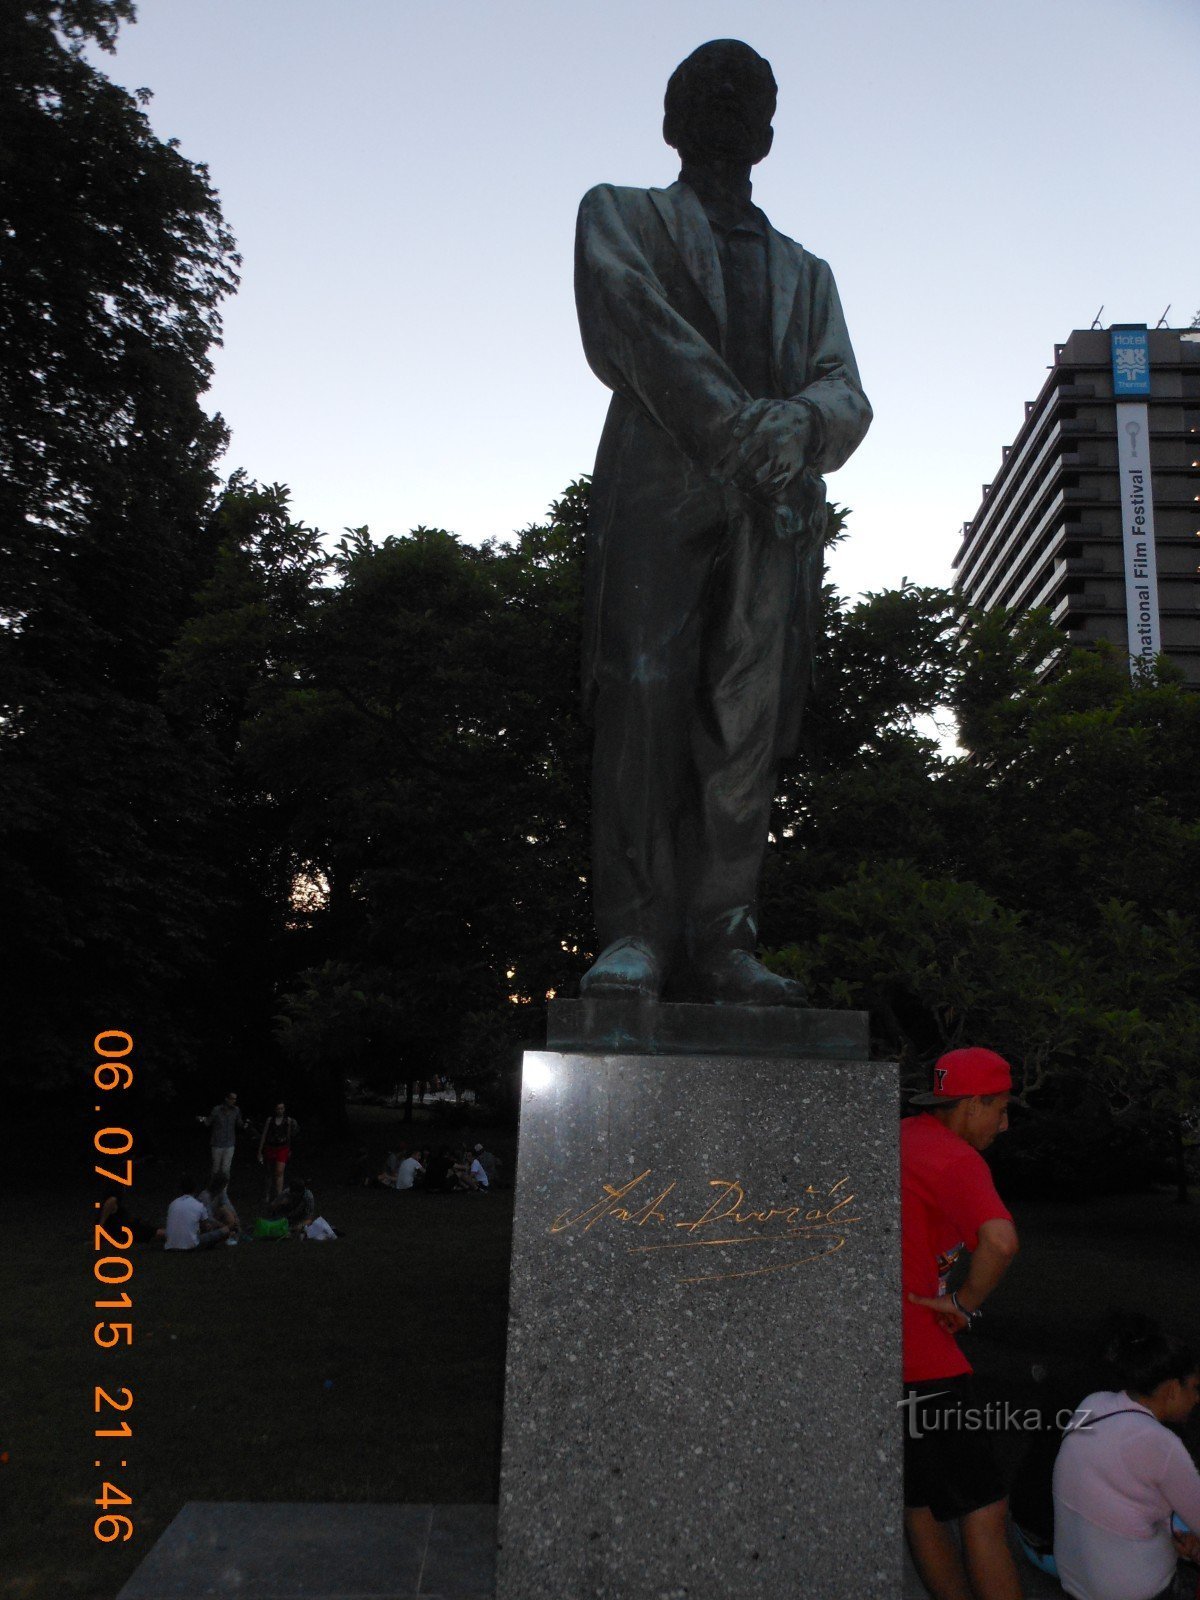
719, 104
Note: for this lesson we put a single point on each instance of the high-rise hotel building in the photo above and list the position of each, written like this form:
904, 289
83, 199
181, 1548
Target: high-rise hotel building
1095, 511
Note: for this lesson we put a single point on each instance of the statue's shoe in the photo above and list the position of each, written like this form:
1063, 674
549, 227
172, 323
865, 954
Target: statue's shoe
627, 970
737, 978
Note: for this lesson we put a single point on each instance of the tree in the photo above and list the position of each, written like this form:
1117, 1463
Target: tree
115, 261
1034, 893
1080, 787
939, 964
234, 658
430, 759
865, 784
537, 643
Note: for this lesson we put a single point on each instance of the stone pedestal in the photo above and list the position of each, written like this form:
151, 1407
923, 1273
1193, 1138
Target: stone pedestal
652, 1028
704, 1341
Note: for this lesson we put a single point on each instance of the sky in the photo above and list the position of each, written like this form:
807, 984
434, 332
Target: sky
403, 176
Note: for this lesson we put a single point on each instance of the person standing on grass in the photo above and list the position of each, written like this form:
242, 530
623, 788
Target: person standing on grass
275, 1147
226, 1121
949, 1203
1121, 1473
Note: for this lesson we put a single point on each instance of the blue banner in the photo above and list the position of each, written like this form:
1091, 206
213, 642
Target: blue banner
1130, 361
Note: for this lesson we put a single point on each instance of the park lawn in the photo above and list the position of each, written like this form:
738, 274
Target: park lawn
372, 1368
1080, 1260
366, 1369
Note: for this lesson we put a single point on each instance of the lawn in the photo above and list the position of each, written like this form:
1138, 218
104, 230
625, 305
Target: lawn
371, 1368
1130, 1252
366, 1369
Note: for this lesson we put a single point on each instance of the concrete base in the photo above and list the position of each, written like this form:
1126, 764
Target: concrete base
704, 1341
320, 1552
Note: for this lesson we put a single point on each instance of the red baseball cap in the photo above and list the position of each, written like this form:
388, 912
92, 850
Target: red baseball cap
961, 1073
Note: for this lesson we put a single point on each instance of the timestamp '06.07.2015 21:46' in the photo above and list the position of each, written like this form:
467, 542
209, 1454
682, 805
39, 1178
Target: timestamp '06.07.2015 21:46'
112, 1272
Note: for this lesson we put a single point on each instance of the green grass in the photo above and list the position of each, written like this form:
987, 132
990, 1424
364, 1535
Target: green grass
404, 1319
366, 1369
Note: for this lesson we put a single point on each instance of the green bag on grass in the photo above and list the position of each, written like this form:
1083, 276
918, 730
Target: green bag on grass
264, 1228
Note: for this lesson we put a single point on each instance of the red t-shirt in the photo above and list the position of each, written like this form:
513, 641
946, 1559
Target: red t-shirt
946, 1195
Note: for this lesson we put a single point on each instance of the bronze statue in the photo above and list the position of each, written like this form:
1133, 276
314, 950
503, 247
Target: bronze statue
734, 389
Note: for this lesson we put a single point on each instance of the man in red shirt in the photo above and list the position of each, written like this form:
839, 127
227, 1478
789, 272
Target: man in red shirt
949, 1203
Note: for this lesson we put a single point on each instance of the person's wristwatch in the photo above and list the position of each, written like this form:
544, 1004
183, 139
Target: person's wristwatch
971, 1316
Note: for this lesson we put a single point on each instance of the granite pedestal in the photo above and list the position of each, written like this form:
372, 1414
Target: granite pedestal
704, 1342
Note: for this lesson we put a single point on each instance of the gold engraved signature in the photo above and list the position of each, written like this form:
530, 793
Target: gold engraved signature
803, 1231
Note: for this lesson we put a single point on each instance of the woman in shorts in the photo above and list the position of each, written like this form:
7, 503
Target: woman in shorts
275, 1147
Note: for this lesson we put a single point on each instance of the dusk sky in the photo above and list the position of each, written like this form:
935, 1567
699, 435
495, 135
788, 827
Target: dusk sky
403, 175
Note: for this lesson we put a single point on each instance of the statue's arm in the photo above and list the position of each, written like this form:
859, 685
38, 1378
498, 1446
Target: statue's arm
833, 393
640, 346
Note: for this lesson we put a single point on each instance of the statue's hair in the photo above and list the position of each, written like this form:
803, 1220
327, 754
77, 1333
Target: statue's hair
677, 83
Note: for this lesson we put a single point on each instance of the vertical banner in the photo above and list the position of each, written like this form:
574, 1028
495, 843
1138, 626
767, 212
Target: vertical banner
1137, 534
1130, 347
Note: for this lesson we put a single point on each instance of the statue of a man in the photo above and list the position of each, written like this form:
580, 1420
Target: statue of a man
734, 388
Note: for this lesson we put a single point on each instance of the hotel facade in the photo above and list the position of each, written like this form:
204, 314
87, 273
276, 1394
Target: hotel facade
1095, 511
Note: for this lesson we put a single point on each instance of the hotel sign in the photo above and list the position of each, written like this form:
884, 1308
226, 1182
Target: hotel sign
1130, 361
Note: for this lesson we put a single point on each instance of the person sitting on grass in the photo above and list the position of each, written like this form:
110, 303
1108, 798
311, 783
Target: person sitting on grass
295, 1205
411, 1170
470, 1174
216, 1201
189, 1226
439, 1171
488, 1162
392, 1163
1121, 1473
115, 1214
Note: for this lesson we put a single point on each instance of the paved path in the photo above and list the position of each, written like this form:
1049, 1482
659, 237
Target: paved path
320, 1552
353, 1552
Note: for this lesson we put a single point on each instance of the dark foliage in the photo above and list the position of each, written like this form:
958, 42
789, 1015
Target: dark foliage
430, 757
115, 259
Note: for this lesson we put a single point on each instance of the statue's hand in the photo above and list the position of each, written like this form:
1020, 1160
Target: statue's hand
798, 516
771, 444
